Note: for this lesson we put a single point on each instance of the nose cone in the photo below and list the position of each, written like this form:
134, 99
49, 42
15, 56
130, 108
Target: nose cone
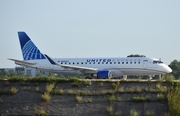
167, 69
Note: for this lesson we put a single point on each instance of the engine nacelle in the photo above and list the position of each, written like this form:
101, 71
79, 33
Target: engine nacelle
104, 74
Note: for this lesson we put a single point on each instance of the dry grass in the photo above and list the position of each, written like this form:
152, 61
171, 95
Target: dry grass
71, 92
37, 89
13, 90
110, 109
134, 113
46, 97
40, 111
49, 87
79, 98
121, 90
150, 113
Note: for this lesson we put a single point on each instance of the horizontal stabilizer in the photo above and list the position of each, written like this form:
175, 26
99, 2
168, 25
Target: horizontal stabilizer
22, 62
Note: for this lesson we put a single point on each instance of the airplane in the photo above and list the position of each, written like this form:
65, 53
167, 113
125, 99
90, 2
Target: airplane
101, 68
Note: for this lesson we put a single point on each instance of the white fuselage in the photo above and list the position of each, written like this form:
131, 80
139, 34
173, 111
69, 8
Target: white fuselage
118, 66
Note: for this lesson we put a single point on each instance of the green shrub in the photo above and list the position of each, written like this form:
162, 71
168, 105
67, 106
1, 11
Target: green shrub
1, 101
116, 85
101, 84
160, 97
168, 78
131, 90
23, 83
146, 90
29, 88
82, 93
121, 90
13, 90
138, 90
110, 109
77, 83
153, 90
46, 97
148, 98
114, 99
37, 89
108, 92
89, 100
173, 101
59, 92
88, 83
134, 113
158, 86
163, 89
141, 99
150, 113
138, 99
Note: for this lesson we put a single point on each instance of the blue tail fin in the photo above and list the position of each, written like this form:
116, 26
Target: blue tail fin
28, 48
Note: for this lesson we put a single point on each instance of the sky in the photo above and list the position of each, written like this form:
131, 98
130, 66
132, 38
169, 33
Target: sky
91, 28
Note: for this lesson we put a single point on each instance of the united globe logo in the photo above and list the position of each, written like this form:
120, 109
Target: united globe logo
31, 52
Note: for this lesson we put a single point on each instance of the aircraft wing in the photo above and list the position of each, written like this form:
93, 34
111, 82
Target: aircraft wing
22, 62
80, 68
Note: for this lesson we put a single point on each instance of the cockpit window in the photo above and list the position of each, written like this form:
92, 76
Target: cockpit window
157, 62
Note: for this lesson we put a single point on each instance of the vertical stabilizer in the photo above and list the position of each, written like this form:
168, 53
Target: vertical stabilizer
28, 48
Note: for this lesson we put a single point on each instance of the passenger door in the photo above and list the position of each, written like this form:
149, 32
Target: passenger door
145, 64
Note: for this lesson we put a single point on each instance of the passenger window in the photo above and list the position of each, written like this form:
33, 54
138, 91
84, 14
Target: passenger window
93, 62
126, 62
118, 62
61, 63
98, 62
114, 62
69, 63
81, 62
106, 62
139, 62
89, 62
77, 62
130, 62
134, 62
110, 62
85, 62
122, 62
73, 62
102, 62
65, 63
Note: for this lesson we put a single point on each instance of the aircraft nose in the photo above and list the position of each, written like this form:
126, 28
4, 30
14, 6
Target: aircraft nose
168, 69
